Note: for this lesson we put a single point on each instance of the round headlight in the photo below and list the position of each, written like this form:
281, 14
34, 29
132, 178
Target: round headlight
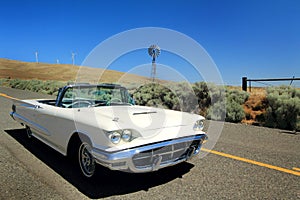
126, 135
115, 137
199, 125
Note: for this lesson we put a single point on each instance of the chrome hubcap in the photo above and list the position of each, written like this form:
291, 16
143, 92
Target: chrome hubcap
86, 160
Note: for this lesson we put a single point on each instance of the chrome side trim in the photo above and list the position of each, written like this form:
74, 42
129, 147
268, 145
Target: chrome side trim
30, 123
37, 132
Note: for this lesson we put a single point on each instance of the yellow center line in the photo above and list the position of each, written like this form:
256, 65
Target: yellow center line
6, 96
296, 169
253, 162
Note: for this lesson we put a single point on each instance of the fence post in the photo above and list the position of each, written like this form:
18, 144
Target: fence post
244, 83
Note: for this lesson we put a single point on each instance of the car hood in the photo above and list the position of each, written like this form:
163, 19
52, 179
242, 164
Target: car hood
141, 118
149, 124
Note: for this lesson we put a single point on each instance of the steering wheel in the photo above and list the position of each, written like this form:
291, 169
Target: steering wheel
113, 100
80, 104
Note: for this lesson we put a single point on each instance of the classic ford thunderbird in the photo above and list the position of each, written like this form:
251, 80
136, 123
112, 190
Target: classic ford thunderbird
99, 124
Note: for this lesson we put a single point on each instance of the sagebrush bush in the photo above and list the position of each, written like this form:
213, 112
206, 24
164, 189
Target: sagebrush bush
203, 96
187, 99
234, 105
227, 104
216, 102
283, 109
217, 111
45, 87
206, 99
234, 112
155, 95
177, 96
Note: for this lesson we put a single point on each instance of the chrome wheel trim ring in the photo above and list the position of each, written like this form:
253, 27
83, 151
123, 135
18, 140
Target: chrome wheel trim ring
86, 160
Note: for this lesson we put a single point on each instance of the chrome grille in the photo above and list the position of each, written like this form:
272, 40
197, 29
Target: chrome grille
168, 153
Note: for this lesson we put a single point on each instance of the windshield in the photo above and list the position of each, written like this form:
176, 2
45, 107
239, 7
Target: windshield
75, 97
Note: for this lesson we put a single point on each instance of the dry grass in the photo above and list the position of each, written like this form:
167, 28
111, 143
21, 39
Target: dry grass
253, 90
255, 106
61, 72
41, 71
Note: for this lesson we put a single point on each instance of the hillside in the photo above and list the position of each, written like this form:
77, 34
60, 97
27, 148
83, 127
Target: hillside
13, 69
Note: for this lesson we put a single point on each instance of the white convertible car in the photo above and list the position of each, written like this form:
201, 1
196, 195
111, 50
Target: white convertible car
100, 124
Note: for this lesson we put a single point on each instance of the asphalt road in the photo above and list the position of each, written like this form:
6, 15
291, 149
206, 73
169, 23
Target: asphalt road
31, 170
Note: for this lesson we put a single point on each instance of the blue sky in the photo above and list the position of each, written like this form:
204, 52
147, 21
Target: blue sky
253, 38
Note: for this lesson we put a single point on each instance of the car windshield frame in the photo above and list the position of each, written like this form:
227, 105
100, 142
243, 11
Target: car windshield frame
75, 96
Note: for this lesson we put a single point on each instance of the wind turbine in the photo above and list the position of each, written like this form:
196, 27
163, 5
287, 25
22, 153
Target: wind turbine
37, 57
73, 58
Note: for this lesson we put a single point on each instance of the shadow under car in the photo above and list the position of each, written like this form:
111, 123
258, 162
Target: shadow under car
105, 182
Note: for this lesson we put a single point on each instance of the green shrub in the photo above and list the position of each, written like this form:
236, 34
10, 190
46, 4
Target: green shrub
155, 95
2, 81
234, 112
234, 105
283, 108
205, 99
217, 111
187, 100
203, 95
175, 96
44, 87
216, 102
227, 105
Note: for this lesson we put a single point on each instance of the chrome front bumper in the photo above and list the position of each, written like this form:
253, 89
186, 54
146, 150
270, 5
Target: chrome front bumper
151, 157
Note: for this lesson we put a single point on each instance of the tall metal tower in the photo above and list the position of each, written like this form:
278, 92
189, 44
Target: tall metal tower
153, 51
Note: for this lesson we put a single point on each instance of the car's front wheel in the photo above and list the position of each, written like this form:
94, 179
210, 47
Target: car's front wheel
86, 160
